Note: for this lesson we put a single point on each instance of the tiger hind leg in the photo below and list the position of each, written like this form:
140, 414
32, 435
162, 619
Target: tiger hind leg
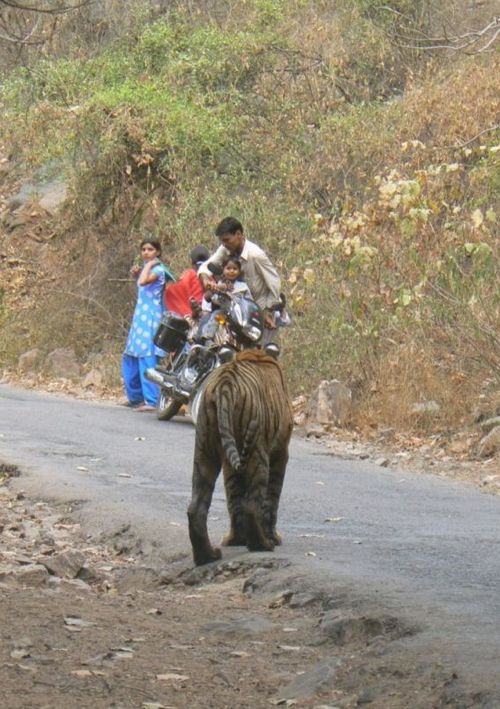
235, 492
205, 473
257, 538
277, 470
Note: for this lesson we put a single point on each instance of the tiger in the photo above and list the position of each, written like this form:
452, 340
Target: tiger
244, 426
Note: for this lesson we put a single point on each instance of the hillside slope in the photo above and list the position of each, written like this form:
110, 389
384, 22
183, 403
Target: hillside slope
366, 162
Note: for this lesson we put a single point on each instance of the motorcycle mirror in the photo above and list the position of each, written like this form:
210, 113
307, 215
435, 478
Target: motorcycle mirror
273, 350
215, 269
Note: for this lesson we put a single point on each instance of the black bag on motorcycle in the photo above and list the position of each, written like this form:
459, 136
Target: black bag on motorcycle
172, 332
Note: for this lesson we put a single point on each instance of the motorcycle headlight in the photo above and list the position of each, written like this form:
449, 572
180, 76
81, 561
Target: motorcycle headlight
189, 374
252, 332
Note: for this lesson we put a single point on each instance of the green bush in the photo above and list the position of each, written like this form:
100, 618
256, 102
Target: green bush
341, 152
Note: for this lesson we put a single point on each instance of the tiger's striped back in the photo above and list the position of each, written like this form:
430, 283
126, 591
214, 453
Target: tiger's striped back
244, 426
252, 405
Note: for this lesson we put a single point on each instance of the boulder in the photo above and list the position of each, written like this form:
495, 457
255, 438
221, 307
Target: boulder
490, 424
242, 628
93, 379
318, 678
66, 565
139, 578
425, 408
63, 364
330, 404
33, 575
53, 196
490, 444
28, 361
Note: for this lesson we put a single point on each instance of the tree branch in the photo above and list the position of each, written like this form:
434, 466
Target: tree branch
45, 10
417, 39
23, 40
471, 140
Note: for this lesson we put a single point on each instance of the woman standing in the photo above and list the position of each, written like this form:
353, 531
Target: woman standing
140, 349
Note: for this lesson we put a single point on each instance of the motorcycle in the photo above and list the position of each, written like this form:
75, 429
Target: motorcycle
237, 324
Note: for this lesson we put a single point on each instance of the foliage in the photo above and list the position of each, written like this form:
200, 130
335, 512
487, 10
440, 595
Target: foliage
370, 171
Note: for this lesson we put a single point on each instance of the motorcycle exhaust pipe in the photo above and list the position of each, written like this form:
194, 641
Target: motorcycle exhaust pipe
153, 375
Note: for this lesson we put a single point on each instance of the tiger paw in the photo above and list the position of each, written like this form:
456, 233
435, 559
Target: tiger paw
206, 557
276, 537
232, 539
261, 545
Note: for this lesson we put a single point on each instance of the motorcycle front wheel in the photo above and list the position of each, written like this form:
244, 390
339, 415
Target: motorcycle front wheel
167, 406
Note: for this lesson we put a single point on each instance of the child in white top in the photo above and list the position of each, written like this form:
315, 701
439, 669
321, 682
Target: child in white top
229, 282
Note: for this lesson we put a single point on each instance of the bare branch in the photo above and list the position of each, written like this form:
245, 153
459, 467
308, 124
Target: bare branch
26, 39
45, 10
20, 24
467, 142
478, 41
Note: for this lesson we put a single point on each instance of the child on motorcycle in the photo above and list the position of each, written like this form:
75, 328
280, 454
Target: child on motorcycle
230, 281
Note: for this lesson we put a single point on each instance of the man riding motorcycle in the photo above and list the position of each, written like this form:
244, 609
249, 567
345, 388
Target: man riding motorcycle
260, 274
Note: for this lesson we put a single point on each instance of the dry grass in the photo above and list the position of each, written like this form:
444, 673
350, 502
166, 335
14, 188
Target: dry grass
390, 298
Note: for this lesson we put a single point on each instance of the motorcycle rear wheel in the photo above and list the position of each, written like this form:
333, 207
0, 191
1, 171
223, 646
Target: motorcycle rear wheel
167, 406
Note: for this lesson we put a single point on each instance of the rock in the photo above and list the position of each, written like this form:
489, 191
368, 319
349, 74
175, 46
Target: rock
367, 697
387, 433
94, 378
299, 403
139, 578
300, 418
426, 408
331, 403
29, 531
345, 629
28, 361
298, 409
281, 599
33, 575
493, 480
242, 628
66, 565
489, 424
256, 580
88, 575
25, 195
198, 574
383, 462
319, 677
73, 585
459, 447
315, 430
50, 196
301, 600
490, 444
63, 363
53, 196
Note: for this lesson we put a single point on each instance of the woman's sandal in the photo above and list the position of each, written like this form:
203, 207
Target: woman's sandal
145, 407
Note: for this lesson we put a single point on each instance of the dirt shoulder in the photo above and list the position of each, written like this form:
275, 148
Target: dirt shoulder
84, 626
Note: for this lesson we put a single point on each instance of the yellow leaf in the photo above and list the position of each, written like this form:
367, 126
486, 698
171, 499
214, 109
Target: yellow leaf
309, 275
477, 218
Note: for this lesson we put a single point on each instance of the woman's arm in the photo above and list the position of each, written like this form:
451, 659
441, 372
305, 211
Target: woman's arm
147, 275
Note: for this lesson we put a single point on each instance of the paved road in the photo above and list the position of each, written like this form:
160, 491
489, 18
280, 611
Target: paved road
417, 545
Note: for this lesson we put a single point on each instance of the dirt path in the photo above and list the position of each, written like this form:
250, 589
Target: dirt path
84, 627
